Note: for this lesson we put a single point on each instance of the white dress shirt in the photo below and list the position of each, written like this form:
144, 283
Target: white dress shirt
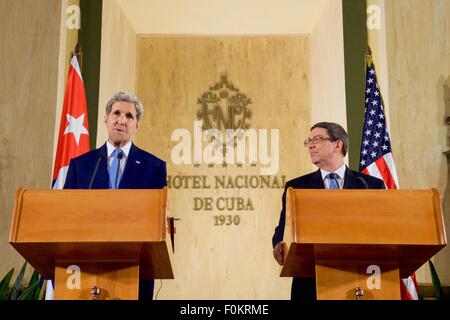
126, 151
340, 179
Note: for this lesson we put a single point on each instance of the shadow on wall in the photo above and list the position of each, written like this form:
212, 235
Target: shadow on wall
442, 259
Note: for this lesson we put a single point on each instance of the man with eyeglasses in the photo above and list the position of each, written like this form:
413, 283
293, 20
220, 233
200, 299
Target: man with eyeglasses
327, 146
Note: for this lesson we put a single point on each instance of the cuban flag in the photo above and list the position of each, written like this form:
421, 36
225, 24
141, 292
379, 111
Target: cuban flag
73, 138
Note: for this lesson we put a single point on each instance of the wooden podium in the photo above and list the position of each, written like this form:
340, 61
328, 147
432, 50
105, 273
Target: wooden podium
361, 239
93, 240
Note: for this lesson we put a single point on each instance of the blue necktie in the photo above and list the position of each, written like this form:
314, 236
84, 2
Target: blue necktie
332, 177
114, 169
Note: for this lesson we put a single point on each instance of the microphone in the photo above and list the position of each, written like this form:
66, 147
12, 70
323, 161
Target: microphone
363, 182
95, 171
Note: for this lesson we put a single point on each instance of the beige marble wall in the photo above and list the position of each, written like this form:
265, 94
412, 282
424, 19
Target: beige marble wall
377, 33
231, 17
418, 55
235, 261
118, 60
328, 101
29, 37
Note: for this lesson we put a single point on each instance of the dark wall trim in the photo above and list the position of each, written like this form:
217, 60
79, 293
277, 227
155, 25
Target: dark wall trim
355, 44
90, 37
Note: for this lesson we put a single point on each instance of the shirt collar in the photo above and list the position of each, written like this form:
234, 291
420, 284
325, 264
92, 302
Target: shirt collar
339, 171
126, 148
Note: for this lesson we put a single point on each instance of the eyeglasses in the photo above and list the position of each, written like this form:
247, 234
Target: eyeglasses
316, 140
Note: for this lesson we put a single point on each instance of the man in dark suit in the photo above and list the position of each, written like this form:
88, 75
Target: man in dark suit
119, 164
327, 145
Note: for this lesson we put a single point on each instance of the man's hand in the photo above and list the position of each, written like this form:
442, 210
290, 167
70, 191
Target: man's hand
280, 252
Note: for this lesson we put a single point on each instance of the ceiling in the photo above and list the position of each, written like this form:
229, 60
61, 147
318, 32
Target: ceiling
220, 17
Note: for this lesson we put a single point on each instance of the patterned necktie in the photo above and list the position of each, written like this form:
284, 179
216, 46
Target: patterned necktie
332, 177
114, 169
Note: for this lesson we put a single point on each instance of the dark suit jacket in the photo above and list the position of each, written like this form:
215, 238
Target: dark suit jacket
142, 171
304, 288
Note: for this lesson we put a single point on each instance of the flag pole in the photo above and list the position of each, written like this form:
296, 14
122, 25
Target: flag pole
369, 56
77, 51
370, 64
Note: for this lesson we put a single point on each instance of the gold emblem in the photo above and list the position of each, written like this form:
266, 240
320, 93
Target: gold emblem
223, 106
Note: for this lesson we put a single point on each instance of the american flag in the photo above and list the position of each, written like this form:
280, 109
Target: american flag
376, 151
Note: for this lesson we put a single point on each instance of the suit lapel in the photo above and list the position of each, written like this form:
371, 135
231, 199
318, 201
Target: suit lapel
101, 178
317, 181
350, 179
133, 169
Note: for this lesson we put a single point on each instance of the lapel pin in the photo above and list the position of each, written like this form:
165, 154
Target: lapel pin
138, 162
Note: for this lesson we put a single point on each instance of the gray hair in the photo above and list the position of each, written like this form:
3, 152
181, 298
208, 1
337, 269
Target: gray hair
336, 132
126, 97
